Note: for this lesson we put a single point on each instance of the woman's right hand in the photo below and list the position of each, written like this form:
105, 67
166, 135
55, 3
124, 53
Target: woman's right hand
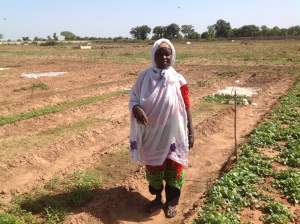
140, 115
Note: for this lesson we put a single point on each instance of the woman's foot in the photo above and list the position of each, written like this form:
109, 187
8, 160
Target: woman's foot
170, 211
154, 205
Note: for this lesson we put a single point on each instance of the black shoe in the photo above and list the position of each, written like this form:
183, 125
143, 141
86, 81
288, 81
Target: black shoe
170, 211
154, 205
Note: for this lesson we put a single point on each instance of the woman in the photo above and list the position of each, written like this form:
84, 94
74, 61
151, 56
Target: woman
161, 126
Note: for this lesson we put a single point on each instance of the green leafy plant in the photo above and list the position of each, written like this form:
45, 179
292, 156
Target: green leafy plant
6, 218
34, 86
276, 213
226, 99
289, 181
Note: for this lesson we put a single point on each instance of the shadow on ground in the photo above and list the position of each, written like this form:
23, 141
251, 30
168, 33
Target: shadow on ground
109, 205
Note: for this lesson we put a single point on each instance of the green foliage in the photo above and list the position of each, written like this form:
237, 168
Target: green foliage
223, 28
80, 187
25, 39
57, 108
16, 215
39, 85
211, 32
187, 30
59, 196
158, 32
276, 213
172, 31
214, 217
34, 86
140, 32
289, 181
195, 36
68, 35
237, 189
291, 154
54, 215
6, 218
267, 134
225, 99
49, 42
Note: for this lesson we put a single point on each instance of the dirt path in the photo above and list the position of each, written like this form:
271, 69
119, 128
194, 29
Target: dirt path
124, 203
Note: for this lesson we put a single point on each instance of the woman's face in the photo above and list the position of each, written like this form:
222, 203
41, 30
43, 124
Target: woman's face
163, 57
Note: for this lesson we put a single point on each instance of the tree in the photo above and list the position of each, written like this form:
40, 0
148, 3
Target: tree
223, 28
264, 30
249, 31
1, 36
140, 32
172, 31
187, 31
68, 35
25, 38
211, 32
195, 36
159, 32
55, 37
235, 32
204, 35
294, 31
284, 32
275, 31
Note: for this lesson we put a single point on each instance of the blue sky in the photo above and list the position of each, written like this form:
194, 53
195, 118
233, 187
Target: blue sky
116, 17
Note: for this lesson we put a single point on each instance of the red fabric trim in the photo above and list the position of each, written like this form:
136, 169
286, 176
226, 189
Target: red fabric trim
185, 95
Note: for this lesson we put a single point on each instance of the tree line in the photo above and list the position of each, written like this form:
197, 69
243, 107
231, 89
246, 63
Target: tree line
221, 29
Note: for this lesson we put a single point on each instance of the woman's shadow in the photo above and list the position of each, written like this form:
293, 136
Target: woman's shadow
109, 205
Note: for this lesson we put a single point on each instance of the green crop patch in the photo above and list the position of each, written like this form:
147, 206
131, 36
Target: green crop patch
237, 189
6, 218
58, 107
52, 202
289, 181
40, 85
226, 99
276, 213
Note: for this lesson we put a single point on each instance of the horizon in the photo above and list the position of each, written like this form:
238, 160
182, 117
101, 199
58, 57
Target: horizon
116, 18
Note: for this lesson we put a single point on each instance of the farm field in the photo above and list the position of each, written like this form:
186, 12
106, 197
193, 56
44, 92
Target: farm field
64, 140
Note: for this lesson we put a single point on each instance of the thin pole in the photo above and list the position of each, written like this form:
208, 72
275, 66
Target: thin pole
235, 119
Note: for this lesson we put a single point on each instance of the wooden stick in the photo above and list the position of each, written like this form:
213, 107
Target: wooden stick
235, 119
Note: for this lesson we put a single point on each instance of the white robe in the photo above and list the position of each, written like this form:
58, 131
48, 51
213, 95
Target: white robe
165, 136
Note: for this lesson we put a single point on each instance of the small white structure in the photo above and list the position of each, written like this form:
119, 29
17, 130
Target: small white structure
240, 91
36, 75
188, 43
88, 47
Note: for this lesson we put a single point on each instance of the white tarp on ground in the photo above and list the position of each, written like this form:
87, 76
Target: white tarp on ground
240, 91
36, 75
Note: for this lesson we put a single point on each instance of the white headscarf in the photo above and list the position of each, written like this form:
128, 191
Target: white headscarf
155, 48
